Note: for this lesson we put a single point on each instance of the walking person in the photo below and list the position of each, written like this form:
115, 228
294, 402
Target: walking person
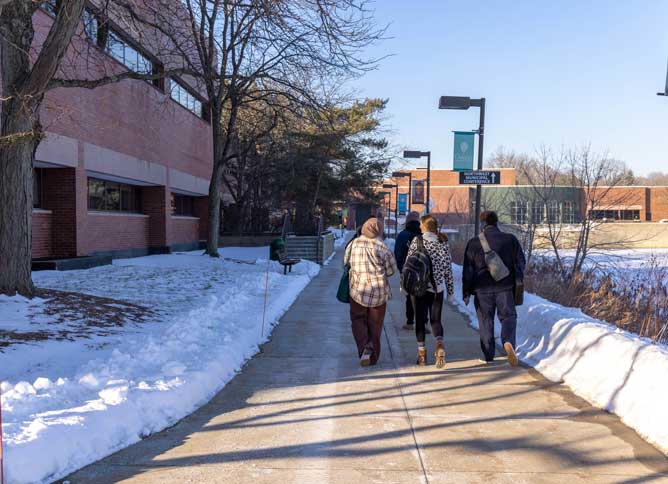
401, 246
371, 264
430, 304
493, 293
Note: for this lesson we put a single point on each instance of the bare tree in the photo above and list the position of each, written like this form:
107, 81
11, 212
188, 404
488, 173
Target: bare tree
261, 47
597, 179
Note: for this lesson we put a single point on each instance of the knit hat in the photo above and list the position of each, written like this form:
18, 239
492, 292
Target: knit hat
413, 217
372, 228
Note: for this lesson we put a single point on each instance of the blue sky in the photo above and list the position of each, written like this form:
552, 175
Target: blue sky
559, 73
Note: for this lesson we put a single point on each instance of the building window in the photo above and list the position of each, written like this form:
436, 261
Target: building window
605, 215
185, 98
182, 205
537, 213
111, 196
113, 43
568, 212
518, 213
37, 188
553, 212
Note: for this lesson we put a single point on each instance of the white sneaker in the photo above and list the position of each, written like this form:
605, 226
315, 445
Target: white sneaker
365, 359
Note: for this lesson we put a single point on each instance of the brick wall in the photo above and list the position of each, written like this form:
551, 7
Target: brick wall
659, 203
155, 201
112, 231
60, 185
184, 230
41, 233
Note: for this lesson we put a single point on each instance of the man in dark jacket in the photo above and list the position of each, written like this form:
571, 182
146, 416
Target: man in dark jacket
403, 241
491, 296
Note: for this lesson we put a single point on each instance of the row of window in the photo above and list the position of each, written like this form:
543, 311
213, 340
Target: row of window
116, 46
523, 213
108, 196
113, 43
182, 96
111, 196
615, 214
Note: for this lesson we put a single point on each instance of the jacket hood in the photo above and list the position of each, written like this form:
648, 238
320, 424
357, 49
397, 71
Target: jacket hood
414, 227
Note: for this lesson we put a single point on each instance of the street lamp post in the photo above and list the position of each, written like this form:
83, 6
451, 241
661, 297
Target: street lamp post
403, 174
396, 204
420, 154
464, 103
387, 205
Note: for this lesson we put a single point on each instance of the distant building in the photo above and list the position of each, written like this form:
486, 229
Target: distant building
454, 204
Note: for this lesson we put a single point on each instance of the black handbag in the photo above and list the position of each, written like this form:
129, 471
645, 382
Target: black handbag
343, 292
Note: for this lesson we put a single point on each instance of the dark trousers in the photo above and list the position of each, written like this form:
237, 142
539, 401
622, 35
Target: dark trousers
410, 313
367, 325
428, 306
487, 304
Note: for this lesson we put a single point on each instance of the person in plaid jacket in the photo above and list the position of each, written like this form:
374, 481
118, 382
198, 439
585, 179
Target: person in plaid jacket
371, 264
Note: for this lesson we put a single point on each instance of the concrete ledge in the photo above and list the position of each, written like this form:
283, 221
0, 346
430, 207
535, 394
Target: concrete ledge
187, 246
246, 240
75, 263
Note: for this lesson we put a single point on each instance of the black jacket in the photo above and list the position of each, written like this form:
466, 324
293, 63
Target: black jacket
476, 276
403, 241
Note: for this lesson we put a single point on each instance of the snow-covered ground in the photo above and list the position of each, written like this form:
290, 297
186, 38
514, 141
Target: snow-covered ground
623, 263
608, 367
69, 402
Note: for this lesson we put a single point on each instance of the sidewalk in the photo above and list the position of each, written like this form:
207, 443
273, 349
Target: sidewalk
303, 411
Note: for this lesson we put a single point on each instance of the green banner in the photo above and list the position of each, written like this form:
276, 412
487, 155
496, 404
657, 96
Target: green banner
463, 153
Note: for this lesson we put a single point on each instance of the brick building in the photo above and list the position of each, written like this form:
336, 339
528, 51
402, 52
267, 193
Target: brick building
454, 204
124, 168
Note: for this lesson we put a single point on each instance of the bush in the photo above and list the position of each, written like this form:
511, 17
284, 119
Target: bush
636, 302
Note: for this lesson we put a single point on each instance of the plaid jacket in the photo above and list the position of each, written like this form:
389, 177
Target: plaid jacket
371, 263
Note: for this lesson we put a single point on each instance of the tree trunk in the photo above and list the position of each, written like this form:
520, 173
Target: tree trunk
16, 198
19, 128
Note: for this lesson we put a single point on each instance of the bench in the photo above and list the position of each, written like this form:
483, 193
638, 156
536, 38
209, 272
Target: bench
285, 261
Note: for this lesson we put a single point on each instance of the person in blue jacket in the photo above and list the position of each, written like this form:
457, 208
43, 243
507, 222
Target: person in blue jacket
403, 241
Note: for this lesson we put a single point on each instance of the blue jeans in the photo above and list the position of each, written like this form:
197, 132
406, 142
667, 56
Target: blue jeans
487, 304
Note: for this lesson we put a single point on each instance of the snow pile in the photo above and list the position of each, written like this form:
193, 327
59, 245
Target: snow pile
71, 415
610, 368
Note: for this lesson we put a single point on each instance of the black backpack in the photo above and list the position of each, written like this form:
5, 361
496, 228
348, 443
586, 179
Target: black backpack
417, 271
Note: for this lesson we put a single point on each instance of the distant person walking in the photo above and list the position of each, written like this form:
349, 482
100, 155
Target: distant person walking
482, 277
371, 264
401, 246
430, 304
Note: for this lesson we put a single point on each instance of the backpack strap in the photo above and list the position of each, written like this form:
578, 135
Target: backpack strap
483, 241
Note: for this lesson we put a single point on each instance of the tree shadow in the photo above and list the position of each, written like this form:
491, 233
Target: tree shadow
292, 412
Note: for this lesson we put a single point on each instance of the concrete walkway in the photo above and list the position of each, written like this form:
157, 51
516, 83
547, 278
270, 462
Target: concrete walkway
303, 411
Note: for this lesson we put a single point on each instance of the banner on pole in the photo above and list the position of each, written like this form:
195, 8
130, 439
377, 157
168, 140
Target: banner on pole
419, 189
463, 153
403, 203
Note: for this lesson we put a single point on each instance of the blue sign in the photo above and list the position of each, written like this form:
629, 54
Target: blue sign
403, 203
463, 155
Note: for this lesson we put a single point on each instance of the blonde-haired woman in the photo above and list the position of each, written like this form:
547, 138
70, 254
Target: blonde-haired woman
431, 303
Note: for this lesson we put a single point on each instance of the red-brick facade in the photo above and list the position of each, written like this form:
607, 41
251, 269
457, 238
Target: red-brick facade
130, 133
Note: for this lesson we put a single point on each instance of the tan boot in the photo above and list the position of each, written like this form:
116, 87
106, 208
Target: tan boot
440, 354
422, 356
512, 357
